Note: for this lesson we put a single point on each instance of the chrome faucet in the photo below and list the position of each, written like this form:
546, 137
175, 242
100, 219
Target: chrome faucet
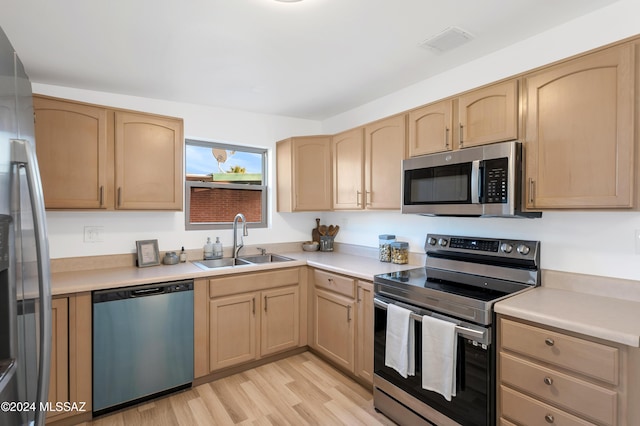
236, 246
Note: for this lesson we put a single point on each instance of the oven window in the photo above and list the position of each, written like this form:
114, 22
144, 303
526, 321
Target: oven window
439, 185
473, 405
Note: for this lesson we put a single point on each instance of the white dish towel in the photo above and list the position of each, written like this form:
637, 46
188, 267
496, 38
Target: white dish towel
399, 349
439, 350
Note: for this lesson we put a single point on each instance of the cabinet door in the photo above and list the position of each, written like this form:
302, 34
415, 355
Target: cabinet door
280, 322
385, 143
59, 374
580, 132
364, 339
312, 173
148, 171
334, 327
489, 115
72, 153
430, 129
348, 160
232, 328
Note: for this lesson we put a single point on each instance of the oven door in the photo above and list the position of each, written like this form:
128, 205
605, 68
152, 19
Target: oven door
473, 404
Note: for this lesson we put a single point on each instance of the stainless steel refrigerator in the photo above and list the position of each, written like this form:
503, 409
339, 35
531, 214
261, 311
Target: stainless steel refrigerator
25, 293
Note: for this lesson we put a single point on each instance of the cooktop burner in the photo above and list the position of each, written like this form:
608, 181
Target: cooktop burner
418, 278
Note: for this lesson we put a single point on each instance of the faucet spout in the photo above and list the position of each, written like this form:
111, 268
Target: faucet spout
238, 245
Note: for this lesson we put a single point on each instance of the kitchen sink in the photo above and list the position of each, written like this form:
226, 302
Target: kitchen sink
265, 258
219, 263
244, 260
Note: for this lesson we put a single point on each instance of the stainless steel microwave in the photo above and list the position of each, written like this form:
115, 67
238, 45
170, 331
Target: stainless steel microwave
480, 181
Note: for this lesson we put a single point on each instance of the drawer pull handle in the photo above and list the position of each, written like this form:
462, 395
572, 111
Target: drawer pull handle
549, 418
548, 381
330, 280
549, 341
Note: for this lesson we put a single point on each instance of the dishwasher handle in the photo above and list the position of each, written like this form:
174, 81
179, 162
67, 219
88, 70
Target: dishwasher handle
111, 295
148, 291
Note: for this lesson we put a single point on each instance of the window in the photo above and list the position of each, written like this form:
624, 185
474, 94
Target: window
223, 180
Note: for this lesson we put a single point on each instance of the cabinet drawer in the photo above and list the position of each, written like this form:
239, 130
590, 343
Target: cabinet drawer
531, 412
582, 356
234, 284
594, 402
335, 283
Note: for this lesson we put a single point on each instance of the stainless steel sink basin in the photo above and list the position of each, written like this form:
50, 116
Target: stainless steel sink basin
219, 263
265, 258
243, 260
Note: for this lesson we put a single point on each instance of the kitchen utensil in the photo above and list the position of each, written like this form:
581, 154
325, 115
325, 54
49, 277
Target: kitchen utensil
315, 235
334, 231
326, 243
322, 230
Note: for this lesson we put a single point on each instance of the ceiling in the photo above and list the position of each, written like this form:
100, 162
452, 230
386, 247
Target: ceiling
311, 59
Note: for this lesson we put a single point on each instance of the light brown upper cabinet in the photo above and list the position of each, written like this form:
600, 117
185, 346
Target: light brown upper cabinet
303, 174
367, 165
72, 145
348, 164
488, 115
483, 116
579, 137
430, 128
148, 166
93, 157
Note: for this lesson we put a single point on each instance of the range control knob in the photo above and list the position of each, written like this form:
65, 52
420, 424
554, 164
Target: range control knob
432, 241
523, 249
443, 242
506, 248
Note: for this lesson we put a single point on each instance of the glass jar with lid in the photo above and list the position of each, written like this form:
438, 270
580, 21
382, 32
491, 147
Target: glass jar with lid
384, 245
400, 252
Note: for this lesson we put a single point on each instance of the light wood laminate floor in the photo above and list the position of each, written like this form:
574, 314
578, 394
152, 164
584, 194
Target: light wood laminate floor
299, 390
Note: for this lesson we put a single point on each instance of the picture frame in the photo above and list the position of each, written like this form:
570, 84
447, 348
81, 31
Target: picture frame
148, 253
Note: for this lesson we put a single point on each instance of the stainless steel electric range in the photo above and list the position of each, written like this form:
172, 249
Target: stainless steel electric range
462, 279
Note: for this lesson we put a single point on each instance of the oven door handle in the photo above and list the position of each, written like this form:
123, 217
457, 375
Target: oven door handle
480, 336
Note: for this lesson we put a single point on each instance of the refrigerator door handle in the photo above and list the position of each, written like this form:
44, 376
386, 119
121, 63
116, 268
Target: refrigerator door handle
23, 156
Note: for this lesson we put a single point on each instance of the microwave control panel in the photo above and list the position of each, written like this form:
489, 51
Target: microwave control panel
495, 185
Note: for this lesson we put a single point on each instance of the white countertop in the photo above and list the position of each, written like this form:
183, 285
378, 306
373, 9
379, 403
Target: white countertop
81, 281
608, 309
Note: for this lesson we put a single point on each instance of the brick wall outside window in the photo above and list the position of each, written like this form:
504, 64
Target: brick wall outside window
221, 205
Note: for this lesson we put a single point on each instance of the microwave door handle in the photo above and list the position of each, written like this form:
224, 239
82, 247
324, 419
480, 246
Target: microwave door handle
475, 182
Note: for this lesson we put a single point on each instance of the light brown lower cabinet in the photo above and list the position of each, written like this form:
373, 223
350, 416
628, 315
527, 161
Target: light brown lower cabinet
242, 318
550, 376
364, 332
342, 322
70, 375
59, 373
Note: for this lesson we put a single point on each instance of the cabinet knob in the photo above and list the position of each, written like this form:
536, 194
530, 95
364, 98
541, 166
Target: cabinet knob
549, 342
549, 418
548, 381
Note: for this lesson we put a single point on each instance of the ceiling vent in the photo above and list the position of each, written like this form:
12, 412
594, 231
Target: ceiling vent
448, 39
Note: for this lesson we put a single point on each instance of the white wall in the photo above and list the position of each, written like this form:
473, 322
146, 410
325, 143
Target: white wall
595, 243
585, 242
123, 229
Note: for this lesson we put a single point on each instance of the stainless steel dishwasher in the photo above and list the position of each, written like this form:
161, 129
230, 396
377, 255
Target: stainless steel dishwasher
142, 343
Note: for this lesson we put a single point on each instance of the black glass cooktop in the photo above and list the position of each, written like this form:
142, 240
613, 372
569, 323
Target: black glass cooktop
418, 278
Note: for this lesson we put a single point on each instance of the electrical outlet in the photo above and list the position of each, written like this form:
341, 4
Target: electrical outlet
637, 237
93, 234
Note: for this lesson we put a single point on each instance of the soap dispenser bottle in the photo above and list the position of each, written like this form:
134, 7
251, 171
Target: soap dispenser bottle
183, 255
217, 248
208, 249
